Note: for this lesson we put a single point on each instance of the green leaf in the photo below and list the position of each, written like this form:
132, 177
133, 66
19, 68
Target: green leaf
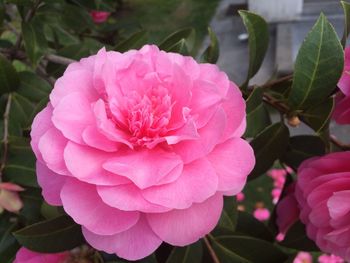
51, 236
34, 40
346, 8
211, 54
76, 18
32, 202
33, 87
258, 41
319, 116
9, 79
20, 112
296, 238
249, 225
244, 249
258, 117
189, 254
268, 146
20, 165
135, 41
179, 41
228, 219
318, 66
303, 147
8, 244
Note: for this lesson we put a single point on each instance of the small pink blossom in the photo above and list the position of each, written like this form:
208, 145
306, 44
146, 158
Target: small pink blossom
27, 256
276, 193
240, 197
141, 147
262, 214
330, 259
303, 257
99, 16
9, 198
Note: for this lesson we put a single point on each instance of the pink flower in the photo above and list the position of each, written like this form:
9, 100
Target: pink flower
341, 112
99, 16
276, 193
303, 257
287, 210
240, 197
27, 256
323, 194
262, 214
330, 259
9, 198
139, 148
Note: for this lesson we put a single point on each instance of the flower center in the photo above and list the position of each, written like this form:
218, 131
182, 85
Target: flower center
147, 115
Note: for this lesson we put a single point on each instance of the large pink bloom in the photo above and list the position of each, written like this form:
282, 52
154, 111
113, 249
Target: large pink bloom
27, 256
140, 148
323, 194
341, 112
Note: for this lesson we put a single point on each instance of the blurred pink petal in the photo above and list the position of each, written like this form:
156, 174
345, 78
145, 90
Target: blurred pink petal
99, 16
262, 214
330, 259
303, 257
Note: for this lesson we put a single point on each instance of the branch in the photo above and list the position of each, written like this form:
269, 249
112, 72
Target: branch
211, 251
59, 60
276, 81
5, 135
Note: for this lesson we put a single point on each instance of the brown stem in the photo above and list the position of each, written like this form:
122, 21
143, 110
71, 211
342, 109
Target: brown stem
276, 81
211, 251
275, 103
59, 60
5, 135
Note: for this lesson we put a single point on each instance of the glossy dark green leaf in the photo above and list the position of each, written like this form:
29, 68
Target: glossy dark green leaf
303, 147
258, 41
9, 79
268, 146
20, 165
185, 36
249, 225
21, 109
135, 41
346, 8
318, 66
33, 87
244, 249
188, 254
228, 219
257, 115
212, 52
76, 18
318, 117
8, 244
32, 202
51, 236
296, 238
34, 40
180, 47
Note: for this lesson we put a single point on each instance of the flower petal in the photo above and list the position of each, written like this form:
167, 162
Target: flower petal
197, 182
146, 167
84, 205
135, 243
51, 146
72, 115
94, 138
128, 198
232, 160
51, 183
85, 164
183, 227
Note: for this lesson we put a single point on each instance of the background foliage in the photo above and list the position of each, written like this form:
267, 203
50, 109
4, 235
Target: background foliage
40, 37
